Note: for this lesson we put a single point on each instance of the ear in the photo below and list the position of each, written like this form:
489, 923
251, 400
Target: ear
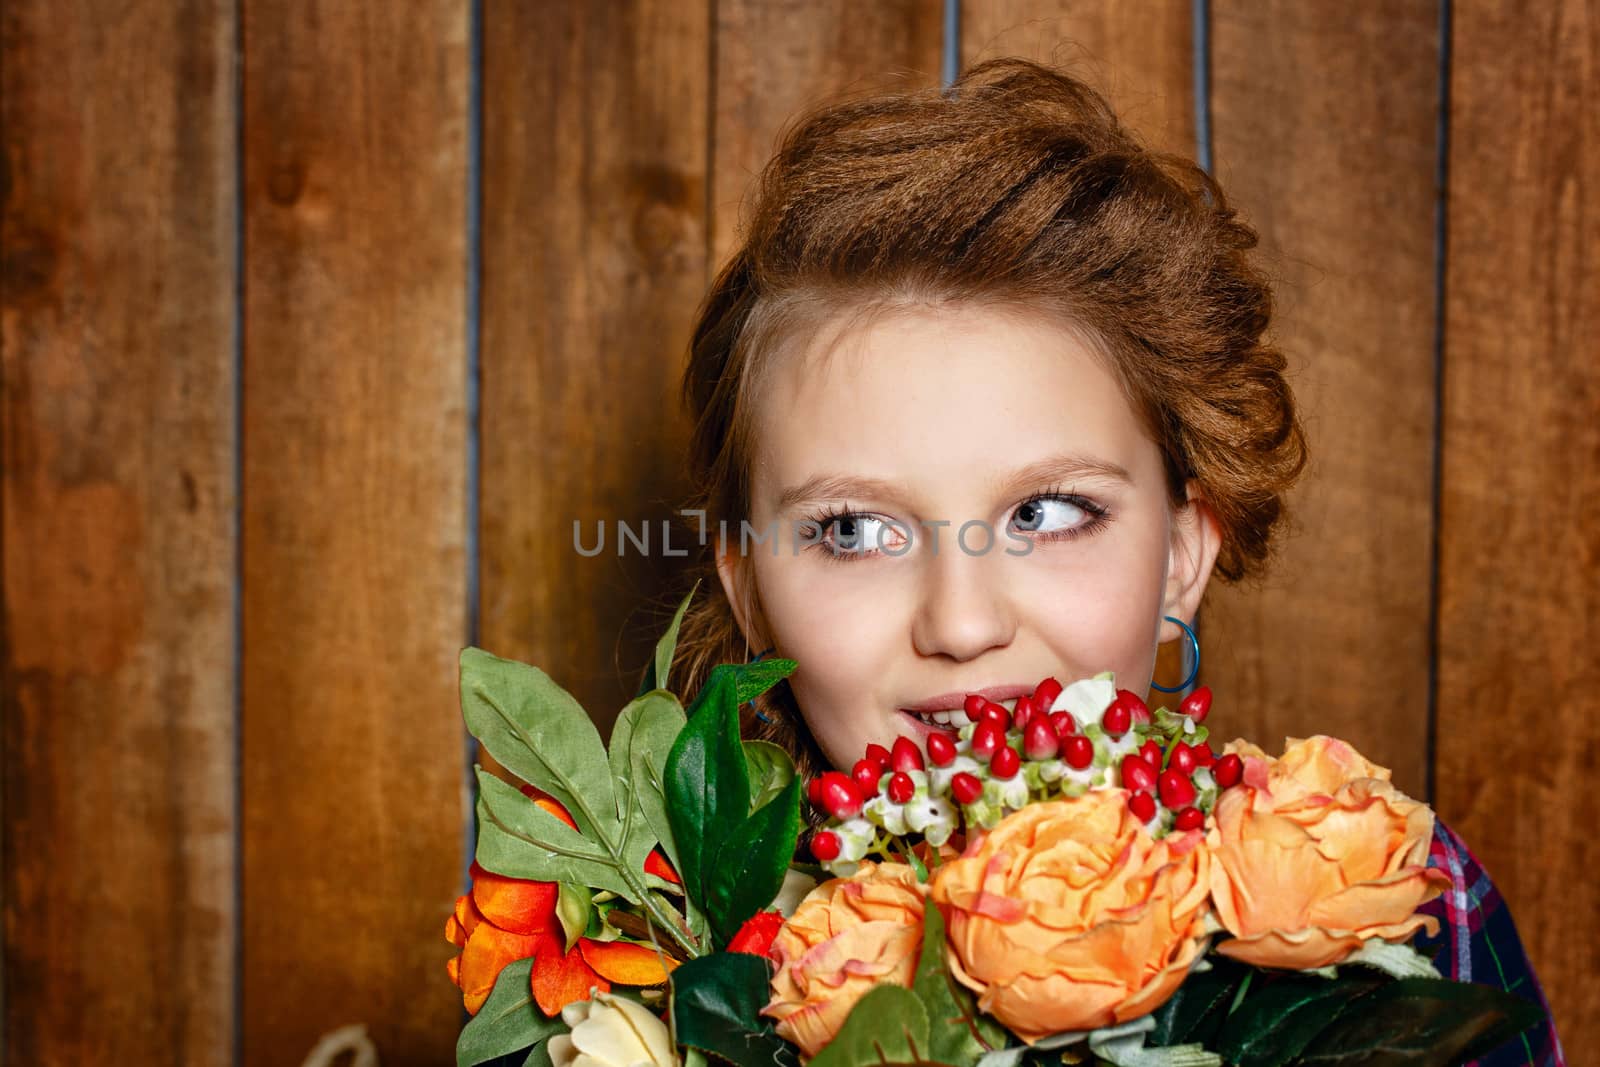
733, 570
1196, 539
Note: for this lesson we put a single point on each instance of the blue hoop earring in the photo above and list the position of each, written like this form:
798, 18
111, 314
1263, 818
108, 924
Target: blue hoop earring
1194, 671
758, 658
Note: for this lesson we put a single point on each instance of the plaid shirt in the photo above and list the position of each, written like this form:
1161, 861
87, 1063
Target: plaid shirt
1478, 942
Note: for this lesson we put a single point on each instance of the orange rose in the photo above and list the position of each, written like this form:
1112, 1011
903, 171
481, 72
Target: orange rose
847, 935
1319, 765
1317, 853
1070, 916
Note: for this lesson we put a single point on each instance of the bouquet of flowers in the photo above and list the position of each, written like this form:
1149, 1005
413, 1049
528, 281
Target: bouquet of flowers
1070, 879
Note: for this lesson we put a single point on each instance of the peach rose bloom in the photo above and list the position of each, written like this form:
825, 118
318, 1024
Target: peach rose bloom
1070, 916
847, 935
1314, 854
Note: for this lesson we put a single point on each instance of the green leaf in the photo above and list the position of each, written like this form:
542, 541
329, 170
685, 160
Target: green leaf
887, 1026
1196, 1011
716, 1007
707, 787
753, 679
574, 906
1282, 1016
720, 686
1417, 1021
770, 770
542, 735
745, 680
958, 1032
640, 740
660, 666
597, 929
509, 1020
539, 1055
750, 865
917, 864
519, 839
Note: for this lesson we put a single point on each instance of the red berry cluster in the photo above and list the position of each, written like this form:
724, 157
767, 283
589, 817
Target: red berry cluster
842, 795
1163, 769
1168, 772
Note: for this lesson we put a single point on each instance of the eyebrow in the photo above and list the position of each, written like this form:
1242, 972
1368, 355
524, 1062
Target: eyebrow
1053, 468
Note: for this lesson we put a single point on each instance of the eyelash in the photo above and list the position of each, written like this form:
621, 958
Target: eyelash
1098, 519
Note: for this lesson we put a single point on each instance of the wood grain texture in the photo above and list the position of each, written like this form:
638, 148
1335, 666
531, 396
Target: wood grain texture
1139, 53
117, 271
1140, 56
1518, 746
775, 60
594, 257
354, 522
1324, 124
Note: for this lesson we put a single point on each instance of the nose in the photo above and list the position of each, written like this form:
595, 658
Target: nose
962, 609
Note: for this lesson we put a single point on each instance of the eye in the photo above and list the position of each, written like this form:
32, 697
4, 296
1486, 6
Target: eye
1061, 516
854, 535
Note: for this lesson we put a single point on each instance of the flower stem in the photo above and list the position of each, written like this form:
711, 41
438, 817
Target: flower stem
659, 918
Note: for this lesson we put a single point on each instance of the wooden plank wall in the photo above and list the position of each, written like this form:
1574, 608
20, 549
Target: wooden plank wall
1519, 525
594, 256
118, 430
354, 520
247, 496
1323, 123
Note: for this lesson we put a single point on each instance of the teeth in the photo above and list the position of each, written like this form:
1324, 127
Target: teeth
956, 717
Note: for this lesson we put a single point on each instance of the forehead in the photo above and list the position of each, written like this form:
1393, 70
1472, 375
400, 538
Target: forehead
944, 400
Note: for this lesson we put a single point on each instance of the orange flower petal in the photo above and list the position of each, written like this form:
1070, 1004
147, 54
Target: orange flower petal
560, 978
656, 864
466, 915
489, 949
515, 904
626, 962
549, 803
452, 967
755, 936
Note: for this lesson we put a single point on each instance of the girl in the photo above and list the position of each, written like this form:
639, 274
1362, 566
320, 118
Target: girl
982, 398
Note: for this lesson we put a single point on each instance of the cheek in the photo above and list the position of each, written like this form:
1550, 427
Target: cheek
1099, 611
841, 631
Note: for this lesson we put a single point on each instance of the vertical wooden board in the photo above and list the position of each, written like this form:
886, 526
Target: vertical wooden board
594, 249
1324, 122
1518, 747
117, 258
775, 59
1139, 53
354, 522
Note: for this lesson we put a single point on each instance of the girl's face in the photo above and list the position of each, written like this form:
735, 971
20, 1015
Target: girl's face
876, 447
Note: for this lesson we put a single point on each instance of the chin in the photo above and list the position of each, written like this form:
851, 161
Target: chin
842, 752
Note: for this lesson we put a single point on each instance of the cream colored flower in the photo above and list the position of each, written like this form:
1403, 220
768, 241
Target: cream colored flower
611, 1031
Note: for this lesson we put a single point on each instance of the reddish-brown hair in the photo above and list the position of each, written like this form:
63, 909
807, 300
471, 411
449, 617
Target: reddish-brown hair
1017, 186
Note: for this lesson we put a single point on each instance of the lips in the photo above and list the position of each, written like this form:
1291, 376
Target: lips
946, 709
951, 701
